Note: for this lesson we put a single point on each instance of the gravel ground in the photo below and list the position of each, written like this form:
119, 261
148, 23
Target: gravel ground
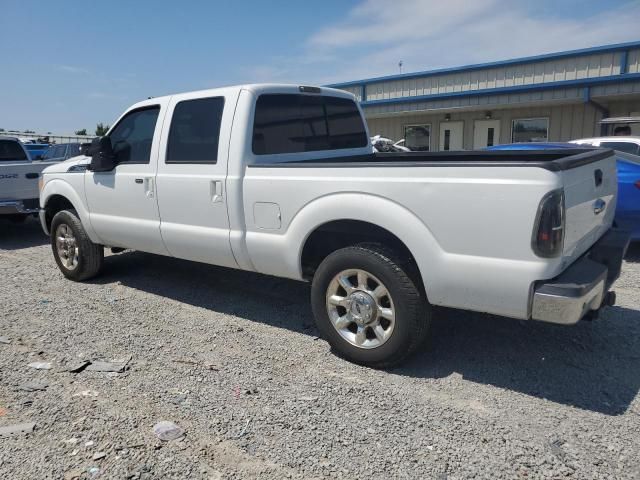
233, 359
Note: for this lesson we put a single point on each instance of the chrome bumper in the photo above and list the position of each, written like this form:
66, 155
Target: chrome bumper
583, 286
13, 207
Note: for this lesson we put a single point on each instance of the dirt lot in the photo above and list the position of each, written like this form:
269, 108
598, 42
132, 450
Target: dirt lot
234, 360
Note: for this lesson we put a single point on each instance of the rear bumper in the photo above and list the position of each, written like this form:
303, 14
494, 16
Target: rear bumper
18, 207
582, 287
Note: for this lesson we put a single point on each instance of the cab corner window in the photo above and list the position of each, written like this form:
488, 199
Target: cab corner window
195, 131
132, 137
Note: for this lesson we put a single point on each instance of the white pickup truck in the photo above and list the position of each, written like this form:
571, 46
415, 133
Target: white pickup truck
19, 176
282, 180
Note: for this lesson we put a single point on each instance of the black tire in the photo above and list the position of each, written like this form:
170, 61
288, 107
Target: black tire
400, 277
90, 256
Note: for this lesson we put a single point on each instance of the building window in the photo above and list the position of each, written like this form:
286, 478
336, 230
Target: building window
526, 130
417, 137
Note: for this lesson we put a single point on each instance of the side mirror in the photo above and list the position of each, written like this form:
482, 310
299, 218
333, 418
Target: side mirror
104, 160
39, 157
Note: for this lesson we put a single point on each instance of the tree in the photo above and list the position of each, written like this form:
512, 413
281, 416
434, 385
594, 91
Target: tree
29, 131
101, 129
81, 132
1, 129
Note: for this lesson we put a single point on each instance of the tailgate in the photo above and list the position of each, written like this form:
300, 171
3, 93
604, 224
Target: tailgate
590, 191
19, 180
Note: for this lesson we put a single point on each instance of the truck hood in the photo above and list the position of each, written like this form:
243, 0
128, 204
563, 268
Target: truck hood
63, 167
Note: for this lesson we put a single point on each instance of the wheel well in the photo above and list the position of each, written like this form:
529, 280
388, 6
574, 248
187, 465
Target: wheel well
54, 205
338, 234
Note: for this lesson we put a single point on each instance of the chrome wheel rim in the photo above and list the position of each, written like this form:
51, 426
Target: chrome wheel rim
360, 308
67, 247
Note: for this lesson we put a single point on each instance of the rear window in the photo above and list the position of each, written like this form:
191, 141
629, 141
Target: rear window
11, 150
291, 123
626, 147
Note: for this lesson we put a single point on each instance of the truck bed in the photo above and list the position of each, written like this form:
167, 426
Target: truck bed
553, 160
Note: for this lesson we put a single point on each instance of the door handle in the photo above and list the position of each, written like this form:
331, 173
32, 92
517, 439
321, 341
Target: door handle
139, 180
32, 175
149, 187
216, 191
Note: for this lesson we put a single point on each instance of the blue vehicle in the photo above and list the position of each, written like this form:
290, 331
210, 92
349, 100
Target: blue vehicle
628, 208
36, 150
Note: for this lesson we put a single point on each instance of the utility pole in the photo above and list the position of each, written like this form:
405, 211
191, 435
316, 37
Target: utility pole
400, 65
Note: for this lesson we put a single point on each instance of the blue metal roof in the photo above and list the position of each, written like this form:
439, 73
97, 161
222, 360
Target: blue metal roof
619, 47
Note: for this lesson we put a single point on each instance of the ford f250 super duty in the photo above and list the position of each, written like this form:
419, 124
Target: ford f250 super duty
19, 175
283, 180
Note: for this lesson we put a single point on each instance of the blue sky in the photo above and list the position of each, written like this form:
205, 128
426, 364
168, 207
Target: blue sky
68, 65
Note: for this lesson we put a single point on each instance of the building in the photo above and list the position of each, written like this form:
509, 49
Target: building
554, 97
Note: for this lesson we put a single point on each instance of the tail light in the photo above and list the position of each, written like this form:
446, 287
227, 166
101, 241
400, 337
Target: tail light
548, 231
637, 184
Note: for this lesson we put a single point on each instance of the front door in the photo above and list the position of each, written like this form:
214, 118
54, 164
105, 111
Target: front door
486, 133
122, 202
192, 173
451, 134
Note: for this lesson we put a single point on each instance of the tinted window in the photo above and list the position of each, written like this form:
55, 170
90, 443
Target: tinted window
530, 130
11, 150
73, 150
50, 153
195, 131
132, 136
58, 151
346, 129
626, 147
289, 123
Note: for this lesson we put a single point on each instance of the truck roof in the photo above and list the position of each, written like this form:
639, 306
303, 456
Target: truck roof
258, 89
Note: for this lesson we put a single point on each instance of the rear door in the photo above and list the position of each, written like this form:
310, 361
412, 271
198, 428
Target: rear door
192, 174
590, 202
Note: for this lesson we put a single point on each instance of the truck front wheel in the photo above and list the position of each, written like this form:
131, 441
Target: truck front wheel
369, 305
76, 255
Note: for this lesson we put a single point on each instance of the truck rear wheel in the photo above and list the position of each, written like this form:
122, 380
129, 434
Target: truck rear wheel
76, 255
369, 305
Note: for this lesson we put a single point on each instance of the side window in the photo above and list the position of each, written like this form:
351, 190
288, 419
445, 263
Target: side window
290, 123
132, 136
195, 131
626, 147
10, 150
58, 151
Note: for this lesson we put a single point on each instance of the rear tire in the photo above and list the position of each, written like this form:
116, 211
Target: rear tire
370, 305
78, 258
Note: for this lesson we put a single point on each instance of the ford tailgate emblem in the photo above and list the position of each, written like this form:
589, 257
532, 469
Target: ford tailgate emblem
598, 206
